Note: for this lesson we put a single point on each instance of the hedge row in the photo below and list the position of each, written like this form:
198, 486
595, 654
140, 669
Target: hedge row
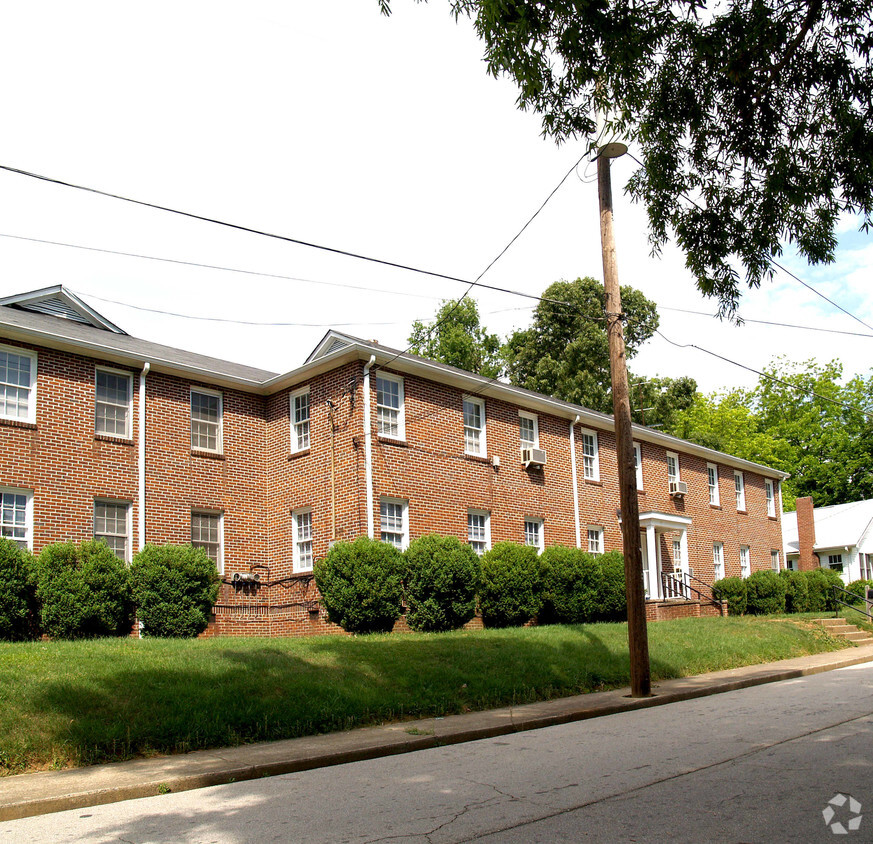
80, 591
788, 591
364, 583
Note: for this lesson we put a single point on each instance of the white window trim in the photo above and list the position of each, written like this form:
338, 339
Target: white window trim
219, 437
487, 514
714, 494
28, 512
295, 553
745, 564
541, 544
483, 442
678, 475
595, 471
293, 433
401, 411
128, 434
598, 529
205, 511
522, 414
404, 513
740, 489
31, 402
770, 494
718, 558
128, 526
638, 458
775, 557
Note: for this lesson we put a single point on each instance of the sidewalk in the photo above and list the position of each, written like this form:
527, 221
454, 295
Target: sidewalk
54, 791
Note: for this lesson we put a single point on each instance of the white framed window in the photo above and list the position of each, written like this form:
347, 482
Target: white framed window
474, 426
16, 516
17, 384
677, 555
207, 532
300, 420
866, 566
774, 560
390, 416
740, 484
672, 468
113, 402
770, 492
745, 564
394, 522
206, 413
528, 430
479, 530
301, 524
717, 561
595, 539
638, 464
835, 562
590, 456
712, 479
112, 526
533, 533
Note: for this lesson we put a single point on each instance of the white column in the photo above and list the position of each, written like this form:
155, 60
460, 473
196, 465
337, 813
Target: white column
652, 559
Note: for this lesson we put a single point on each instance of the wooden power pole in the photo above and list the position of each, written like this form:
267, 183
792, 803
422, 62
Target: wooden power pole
638, 637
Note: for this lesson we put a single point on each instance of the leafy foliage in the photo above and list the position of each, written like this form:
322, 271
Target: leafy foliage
442, 576
859, 588
17, 592
657, 402
613, 594
83, 591
796, 591
766, 593
361, 585
458, 339
758, 110
734, 591
174, 587
572, 585
510, 593
821, 594
565, 352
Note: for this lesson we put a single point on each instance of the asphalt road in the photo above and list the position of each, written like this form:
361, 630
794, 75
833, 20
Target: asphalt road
760, 764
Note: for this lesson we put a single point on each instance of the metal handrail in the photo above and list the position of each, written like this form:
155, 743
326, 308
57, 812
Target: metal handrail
681, 586
836, 589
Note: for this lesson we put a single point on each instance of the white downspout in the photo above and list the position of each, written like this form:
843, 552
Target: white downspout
368, 447
142, 451
573, 424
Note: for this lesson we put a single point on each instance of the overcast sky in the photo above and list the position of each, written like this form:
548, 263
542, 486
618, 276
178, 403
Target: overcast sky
329, 123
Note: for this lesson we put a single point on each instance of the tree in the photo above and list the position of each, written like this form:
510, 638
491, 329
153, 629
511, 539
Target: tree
565, 352
458, 339
752, 118
657, 402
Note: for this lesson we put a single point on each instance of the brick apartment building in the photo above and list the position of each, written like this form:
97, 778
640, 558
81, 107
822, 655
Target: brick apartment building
105, 435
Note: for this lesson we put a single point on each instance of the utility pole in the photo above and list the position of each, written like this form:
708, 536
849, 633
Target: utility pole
637, 633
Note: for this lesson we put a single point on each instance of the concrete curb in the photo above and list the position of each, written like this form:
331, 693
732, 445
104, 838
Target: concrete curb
54, 791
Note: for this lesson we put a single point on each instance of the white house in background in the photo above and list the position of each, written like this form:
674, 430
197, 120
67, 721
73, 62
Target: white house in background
842, 538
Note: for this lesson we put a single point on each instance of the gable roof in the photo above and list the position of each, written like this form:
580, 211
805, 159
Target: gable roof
60, 302
837, 526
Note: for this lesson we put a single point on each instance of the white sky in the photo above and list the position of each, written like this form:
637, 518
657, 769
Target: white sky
327, 122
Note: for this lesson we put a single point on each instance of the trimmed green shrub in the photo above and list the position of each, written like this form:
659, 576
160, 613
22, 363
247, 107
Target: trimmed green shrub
442, 577
859, 588
734, 591
821, 593
766, 593
613, 594
510, 593
796, 591
83, 591
17, 593
572, 585
174, 587
361, 585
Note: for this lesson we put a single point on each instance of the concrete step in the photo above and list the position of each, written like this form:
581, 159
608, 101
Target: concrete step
840, 627
856, 635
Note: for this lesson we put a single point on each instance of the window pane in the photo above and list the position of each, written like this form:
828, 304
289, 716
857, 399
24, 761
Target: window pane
532, 533
13, 518
392, 527
113, 403
527, 432
15, 380
388, 407
473, 425
205, 419
477, 532
303, 540
301, 421
110, 526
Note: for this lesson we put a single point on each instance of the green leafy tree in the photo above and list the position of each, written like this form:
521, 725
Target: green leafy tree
657, 402
758, 111
457, 338
565, 352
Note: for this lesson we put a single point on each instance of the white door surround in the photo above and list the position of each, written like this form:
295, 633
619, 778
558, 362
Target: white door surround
653, 524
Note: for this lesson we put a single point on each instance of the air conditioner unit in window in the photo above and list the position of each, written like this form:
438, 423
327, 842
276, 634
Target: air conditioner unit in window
533, 456
678, 488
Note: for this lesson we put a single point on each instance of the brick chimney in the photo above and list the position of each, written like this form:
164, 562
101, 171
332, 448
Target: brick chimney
806, 535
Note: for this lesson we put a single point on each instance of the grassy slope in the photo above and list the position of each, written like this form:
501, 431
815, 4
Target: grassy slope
74, 703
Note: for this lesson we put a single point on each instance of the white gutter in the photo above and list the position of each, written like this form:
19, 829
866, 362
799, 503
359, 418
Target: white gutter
573, 424
142, 452
368, 448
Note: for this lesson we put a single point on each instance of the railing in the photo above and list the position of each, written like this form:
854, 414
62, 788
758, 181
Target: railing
852, 595
682, 586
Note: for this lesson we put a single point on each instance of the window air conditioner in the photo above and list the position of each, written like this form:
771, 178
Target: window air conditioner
678, 488
533, 456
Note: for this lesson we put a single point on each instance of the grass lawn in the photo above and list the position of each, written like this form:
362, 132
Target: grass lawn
64, 704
